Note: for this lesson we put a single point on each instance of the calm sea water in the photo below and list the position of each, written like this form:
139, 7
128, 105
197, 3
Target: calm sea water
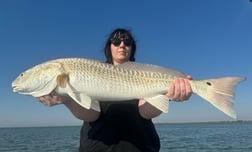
224, 137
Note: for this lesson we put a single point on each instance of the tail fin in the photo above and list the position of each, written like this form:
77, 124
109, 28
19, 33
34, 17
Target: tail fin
219, 92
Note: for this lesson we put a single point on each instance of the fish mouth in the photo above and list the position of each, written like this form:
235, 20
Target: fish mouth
16, 88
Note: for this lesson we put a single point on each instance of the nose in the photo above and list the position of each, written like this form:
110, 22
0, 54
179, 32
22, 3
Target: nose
122, 44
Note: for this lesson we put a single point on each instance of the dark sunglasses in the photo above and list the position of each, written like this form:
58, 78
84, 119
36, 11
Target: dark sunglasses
117, 41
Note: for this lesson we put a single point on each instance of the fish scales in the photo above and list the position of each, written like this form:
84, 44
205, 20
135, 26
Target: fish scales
89, 82
124, 82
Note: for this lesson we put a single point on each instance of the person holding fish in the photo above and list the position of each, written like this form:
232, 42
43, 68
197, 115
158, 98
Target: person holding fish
120, 126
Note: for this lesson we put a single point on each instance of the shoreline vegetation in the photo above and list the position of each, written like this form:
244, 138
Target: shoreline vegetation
156, 123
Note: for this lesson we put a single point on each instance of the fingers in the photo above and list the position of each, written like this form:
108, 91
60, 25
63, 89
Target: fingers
188, 89
180, 89
171, 91
189, 77
50, 100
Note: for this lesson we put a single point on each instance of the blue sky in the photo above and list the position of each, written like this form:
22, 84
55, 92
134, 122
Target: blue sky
205, 39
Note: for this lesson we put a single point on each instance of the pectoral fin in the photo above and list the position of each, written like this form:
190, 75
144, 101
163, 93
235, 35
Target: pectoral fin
82, 99
62, 80
161, 102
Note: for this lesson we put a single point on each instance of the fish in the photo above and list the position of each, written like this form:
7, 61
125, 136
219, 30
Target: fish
89, 82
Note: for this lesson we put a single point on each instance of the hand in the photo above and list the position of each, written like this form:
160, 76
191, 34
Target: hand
180, 89
50, 100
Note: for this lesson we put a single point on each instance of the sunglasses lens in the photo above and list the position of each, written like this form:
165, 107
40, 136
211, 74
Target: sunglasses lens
127, 42
117, 42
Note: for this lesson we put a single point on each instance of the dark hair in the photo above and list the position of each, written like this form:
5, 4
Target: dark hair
121, 33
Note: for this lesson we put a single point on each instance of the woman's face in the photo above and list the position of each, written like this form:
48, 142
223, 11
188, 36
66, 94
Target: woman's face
121, 50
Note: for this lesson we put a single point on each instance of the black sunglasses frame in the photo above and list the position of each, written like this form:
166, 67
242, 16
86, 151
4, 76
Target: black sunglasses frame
118, 41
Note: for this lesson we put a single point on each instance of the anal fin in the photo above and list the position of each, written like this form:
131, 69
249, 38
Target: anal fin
161, 102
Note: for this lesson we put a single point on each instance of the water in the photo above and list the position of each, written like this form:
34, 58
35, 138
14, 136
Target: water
224, 137
44, 139
229, 137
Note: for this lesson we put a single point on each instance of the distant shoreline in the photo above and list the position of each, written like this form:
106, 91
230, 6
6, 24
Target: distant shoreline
206, 122
156, 123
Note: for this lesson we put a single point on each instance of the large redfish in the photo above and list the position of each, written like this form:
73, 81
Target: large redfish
89, 81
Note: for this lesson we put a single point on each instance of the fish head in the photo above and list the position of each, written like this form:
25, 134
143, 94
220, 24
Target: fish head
37, 81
